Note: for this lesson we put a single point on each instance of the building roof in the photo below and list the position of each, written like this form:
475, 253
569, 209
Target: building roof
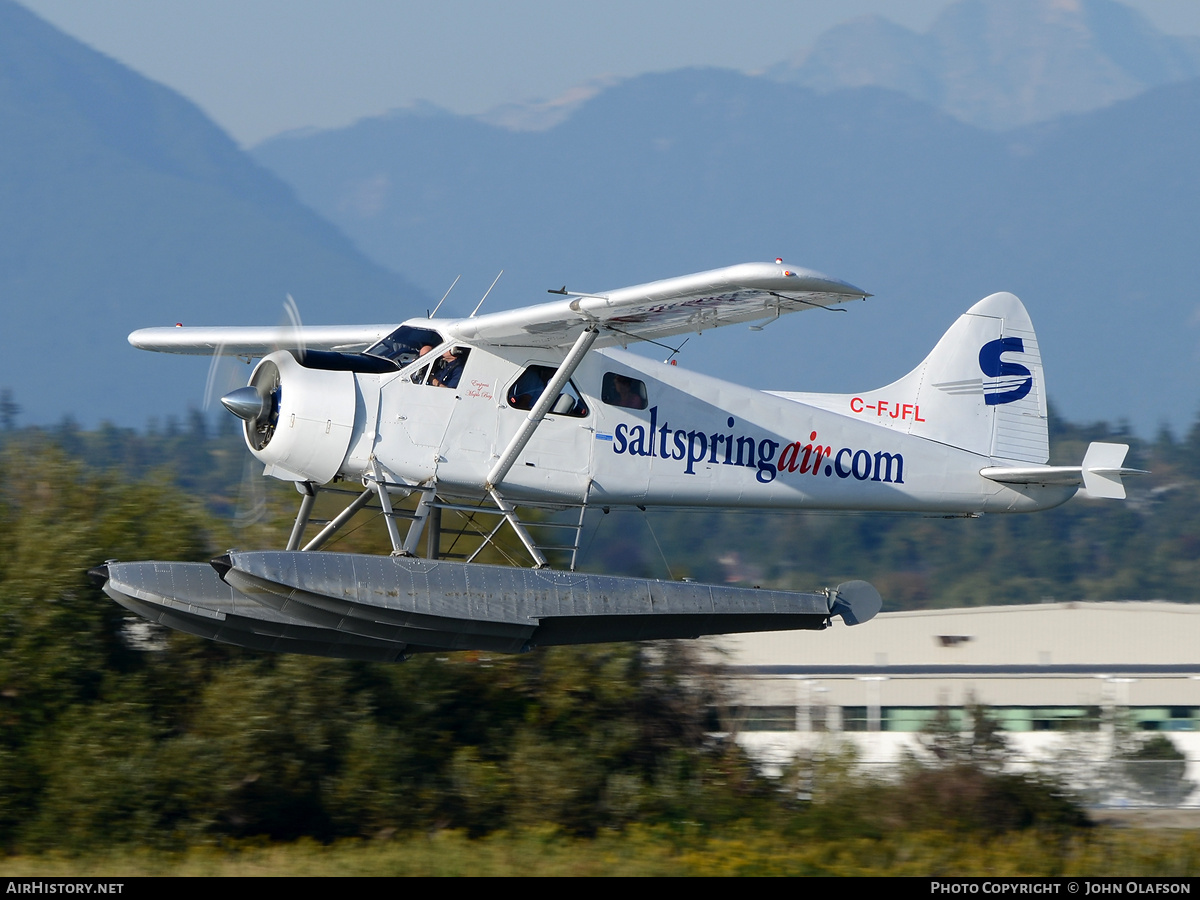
1045, 638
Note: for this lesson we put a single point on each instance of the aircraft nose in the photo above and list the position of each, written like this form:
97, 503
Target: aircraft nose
245, 403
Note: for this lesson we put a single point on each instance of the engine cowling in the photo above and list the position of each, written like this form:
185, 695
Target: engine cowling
297, 421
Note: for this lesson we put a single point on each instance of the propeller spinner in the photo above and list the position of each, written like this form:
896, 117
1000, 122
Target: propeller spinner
245, 403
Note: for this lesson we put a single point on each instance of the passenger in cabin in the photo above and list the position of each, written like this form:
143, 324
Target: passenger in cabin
528, 388
621, 390
627, 394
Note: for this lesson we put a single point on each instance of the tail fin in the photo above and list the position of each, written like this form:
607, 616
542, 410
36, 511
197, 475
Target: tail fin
980, 389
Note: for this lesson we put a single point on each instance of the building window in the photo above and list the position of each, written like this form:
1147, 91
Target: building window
818, 718
1169, 718
953, 640
854, 718
761, 718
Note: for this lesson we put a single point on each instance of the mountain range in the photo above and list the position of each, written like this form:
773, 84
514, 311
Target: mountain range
1092, 219
122, 206
1001, 64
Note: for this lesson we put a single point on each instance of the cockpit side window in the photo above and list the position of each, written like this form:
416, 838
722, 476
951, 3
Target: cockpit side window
446, 368
404, 344
621, 390
526, 390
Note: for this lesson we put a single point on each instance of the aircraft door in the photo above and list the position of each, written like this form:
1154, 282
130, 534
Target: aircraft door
413, 419
562, 444
469, 445
416, 435
427, 415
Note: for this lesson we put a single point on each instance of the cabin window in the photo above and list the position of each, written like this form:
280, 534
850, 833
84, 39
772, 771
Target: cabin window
526, 390
621, 390
445, 369
404, 345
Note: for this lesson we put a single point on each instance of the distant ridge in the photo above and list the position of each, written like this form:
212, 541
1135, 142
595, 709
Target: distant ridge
545, 114
1000, 64
122, 205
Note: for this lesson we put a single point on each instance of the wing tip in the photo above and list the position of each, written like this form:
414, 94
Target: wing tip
827, 283
139, 338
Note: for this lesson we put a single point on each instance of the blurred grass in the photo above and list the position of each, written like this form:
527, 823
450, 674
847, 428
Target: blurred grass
662, 850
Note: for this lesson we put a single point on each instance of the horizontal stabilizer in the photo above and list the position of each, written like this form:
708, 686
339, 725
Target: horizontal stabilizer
1100, 474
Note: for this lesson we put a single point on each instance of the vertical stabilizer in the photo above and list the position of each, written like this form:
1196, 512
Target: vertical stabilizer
981, 388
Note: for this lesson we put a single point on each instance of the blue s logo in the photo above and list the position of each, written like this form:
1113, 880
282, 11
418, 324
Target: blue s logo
1009, 391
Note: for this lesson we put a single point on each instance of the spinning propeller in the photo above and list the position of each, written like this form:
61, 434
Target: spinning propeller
256, 404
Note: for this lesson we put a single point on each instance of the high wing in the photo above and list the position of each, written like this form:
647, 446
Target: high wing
257, 340
741, 293
660, 309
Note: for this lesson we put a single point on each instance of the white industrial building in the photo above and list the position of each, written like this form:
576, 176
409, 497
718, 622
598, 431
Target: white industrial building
1080, 679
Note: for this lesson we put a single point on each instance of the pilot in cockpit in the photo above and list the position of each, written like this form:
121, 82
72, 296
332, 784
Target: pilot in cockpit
448, 369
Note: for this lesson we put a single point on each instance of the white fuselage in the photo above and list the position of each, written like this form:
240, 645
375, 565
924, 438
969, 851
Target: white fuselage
698, 441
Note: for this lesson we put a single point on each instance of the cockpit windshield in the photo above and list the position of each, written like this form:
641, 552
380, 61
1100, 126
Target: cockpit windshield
404, 344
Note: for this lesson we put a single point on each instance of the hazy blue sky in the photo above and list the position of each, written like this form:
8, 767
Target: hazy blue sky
266, 66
